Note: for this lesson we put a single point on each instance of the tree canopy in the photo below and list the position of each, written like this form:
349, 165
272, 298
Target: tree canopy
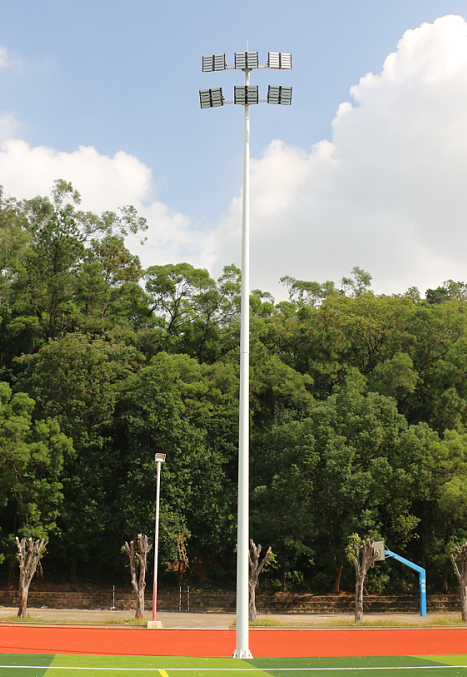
358, 408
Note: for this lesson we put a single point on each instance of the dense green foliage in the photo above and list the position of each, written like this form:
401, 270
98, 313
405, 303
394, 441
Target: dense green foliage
358, 410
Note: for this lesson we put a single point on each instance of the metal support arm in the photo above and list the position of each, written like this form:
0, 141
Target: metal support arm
421, 574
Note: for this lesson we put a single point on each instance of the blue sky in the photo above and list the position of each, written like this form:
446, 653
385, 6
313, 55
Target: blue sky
123, 79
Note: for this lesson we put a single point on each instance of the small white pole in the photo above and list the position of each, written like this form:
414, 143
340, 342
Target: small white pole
159, 458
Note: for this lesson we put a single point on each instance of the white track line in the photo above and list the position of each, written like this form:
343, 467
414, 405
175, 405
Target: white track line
200, 670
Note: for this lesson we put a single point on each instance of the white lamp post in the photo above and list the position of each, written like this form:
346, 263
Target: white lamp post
159, 458
246, 96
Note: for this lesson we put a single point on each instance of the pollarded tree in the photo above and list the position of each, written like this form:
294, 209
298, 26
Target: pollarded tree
459, 558
138, 556
29, 553
363, 554
256, 567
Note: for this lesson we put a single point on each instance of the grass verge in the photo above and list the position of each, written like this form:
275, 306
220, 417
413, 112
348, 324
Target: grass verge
32, 619
265, 622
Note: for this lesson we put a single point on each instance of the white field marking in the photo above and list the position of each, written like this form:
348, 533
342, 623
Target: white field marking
200, 670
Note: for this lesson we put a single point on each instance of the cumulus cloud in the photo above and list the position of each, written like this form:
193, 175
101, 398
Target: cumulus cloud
387, 194
105, 183
8, 126
7, 61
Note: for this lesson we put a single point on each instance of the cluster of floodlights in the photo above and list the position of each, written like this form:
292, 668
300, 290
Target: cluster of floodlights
247, 94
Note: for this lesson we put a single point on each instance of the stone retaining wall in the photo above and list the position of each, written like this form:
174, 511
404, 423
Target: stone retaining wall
224, 602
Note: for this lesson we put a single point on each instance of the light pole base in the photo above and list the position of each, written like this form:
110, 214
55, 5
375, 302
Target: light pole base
154, 625
242, 653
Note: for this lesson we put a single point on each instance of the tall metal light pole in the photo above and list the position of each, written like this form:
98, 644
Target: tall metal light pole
246, 96
159, 458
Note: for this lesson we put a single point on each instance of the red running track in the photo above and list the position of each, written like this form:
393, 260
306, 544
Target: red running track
286, 643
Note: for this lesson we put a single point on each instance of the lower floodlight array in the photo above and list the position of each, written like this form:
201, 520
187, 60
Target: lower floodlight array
211, 98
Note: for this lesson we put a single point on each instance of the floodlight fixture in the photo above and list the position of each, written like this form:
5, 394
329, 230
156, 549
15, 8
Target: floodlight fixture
246, 95
211, 98
213, 62
246, 60
280, 60
280, 95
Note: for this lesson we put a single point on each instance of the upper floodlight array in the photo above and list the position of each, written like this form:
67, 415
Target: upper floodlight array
280, 95
214, 62
211, 98
279, 60
246, 61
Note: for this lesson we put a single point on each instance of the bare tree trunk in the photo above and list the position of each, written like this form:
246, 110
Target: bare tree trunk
138, 567
10, 576
359, 597
445, 581
255, 569
363, 554
464, 603
29, 552
252, 614
337, 579
459, 555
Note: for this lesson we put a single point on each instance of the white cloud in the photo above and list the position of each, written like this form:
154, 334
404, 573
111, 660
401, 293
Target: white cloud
8, 125
105, 183
101, 179
8, 62
388, 194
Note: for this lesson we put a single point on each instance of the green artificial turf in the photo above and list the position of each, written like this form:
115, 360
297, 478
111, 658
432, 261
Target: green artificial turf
179, 666
15, 659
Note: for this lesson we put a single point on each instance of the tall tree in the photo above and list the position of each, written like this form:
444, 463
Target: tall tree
44, 303
189, 412
76, 379
32, 455
108, 288
192, 308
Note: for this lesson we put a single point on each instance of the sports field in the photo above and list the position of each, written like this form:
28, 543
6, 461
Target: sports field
27, 665
73, 652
